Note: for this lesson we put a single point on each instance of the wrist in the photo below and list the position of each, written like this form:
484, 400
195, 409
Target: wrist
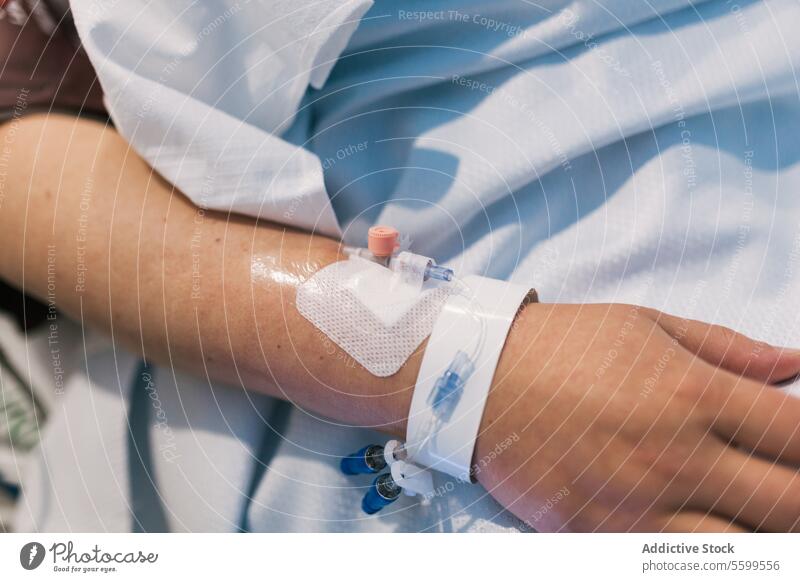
500, 425
458, 371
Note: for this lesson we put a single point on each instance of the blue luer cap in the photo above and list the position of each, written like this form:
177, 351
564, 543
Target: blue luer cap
382, 492
364, 461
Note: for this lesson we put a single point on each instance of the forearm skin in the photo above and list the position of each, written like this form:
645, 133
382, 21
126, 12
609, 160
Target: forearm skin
86, 222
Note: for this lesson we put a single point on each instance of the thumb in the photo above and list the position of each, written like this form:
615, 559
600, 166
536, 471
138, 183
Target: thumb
733, 351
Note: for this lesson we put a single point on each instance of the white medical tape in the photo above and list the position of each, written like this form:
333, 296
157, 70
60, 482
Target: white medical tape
409, 269
450, 448
373, 315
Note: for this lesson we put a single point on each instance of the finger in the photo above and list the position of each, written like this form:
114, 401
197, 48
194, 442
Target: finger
756, 417
749, 490
731, 350
698, 522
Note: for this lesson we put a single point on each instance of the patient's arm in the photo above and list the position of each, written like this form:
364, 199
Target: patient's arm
618, 417
204, 292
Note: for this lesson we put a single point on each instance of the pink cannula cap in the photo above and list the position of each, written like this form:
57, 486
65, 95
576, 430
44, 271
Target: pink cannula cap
382, 240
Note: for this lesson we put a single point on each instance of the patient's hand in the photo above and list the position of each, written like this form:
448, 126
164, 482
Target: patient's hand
628, 419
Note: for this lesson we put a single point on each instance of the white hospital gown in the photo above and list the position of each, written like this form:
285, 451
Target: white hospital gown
599, 151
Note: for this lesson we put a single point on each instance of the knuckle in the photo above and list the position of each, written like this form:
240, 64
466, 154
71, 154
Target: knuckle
725, 334
693, 392
698, 385
661, 460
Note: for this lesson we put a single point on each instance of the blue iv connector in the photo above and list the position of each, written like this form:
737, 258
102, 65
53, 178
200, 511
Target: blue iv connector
449, 386
439, 273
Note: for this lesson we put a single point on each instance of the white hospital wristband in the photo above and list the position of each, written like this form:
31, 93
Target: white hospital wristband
451, 447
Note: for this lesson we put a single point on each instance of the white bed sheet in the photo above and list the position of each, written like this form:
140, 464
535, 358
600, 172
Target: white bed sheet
602, 151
